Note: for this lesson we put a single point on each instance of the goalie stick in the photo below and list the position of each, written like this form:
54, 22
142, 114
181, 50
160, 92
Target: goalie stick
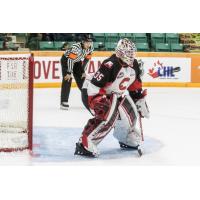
141, 128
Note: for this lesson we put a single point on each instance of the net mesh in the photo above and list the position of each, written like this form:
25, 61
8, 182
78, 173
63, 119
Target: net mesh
14, 103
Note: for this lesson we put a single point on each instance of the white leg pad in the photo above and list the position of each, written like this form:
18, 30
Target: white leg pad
125, 130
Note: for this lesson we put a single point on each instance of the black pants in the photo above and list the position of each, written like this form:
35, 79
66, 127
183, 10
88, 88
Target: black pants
66, 85
84, 96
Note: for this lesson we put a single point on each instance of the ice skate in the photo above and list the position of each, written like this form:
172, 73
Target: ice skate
127, 147
64, 106
80, 150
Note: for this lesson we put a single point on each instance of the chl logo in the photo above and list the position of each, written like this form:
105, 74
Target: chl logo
159, 70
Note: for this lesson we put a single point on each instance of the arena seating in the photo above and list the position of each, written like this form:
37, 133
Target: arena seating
161, 42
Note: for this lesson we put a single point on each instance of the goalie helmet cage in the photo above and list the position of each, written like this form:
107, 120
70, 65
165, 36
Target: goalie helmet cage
16, 101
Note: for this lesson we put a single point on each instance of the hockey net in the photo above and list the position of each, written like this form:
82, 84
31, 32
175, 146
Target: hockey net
16, 102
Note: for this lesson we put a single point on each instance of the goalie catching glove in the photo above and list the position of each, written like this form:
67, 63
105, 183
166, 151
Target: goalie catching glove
142, 105
100, 105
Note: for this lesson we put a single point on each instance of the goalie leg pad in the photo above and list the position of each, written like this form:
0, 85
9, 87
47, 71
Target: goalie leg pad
96, 129
85, 142
125, 131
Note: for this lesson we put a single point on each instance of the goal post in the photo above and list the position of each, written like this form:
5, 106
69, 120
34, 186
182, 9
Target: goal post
16, 101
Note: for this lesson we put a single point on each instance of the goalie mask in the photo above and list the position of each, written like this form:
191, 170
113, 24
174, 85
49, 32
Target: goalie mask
126, 51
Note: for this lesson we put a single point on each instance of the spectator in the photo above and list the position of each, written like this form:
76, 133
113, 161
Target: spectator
7, 46
64, 36
2, 36
65, 46
33, 40
48, 37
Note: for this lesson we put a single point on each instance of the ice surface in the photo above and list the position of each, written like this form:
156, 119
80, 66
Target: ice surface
171, 134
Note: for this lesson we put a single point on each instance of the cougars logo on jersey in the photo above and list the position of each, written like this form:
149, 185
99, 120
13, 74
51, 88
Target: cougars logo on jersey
113, 76
123, 84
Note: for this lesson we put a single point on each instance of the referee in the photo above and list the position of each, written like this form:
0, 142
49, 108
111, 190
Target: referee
74, 60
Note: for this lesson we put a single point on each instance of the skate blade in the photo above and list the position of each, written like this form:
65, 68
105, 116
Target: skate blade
84, 155
64, 108
140, 152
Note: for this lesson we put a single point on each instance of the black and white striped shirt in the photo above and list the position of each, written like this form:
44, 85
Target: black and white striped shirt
76, 54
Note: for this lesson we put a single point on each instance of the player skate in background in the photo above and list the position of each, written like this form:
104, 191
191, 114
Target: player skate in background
115, 97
